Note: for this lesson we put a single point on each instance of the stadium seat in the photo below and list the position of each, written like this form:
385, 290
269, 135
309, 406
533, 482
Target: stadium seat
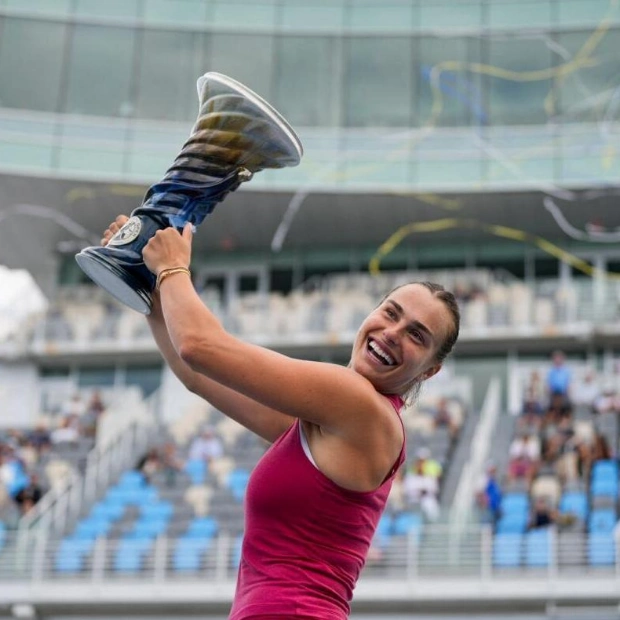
202, 527
575, 503
507, 550
70, 554
407, 522
237, 481
129, 556
157, 510
196, 469
111, 511
538, 547
131, 480
92, 527
602, 521
601, 549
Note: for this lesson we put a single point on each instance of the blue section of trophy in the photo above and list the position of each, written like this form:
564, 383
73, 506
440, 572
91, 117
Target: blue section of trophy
237, 134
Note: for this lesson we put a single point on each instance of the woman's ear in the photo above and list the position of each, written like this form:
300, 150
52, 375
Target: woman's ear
432, 371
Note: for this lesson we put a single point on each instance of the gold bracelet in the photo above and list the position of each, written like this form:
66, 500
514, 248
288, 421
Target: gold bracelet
164, 273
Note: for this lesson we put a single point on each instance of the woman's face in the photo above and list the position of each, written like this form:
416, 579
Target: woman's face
397, 343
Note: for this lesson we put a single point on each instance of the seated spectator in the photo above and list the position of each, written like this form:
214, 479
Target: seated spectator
543, 514
446, 415
93, 412
558, 410
170, 463
421, 485
524, 458
608, 401
206, 447
75, 407
40, 438
27, 497
562, 451
67, 431
586, 391
149, 464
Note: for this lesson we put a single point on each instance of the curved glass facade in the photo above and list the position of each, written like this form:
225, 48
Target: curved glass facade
499, 92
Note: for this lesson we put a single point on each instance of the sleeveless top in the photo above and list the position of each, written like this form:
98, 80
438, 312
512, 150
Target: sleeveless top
306, 538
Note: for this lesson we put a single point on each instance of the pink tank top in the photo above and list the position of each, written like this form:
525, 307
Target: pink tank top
306, 538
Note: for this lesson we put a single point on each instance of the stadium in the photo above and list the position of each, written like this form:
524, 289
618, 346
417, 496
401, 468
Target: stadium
473, 143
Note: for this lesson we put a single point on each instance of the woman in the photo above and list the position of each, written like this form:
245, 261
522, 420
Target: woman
314, 499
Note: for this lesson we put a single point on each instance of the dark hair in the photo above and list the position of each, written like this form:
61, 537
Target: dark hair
449, 301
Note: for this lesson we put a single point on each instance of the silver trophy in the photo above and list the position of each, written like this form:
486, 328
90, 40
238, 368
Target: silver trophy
237, 134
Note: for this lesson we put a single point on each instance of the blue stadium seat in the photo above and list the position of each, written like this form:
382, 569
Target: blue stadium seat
188, 553
91, 528
601, 549
507, 550
129, 556
111, 511
237, 482
131, 480
236, 551
157, 510
515, 503
196, 469
515, 523
149, 528
70, 554
605, 469
602, 521
3, 534
538, 547
202, 527
407, 522
575, 503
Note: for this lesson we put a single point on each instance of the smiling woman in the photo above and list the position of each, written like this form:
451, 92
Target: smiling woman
314, 500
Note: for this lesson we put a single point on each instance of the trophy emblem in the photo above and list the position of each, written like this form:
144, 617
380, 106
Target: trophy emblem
236, 134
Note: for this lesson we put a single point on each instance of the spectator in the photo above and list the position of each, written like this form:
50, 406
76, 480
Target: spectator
558, 410
75, 407
445, 416
534, 400
206, 446
543, 515
586, 391
524, 458
29, 495
421, 485
170, 463
559, 377
562, 451
489, 496
94, 410
40, 438
67, 431
149, 464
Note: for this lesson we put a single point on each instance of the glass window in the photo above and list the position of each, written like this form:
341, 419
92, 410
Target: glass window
48, 7
518, 80
96, 377
379, 82
435, 16
168, 70
381, 17
450, 92
31, 63
519, 13
315, 16
248, 59
100, 67
109, 8
304, 81
169, 12
588, 92
147, 378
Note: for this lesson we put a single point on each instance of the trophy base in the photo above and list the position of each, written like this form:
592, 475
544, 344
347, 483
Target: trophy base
115, 280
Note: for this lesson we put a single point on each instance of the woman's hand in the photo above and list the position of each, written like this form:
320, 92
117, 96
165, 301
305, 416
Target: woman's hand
113, 228
168, 248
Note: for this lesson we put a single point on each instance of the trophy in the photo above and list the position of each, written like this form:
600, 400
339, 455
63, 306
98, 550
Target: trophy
236, 134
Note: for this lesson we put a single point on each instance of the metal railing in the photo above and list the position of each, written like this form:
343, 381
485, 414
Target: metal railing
436, 550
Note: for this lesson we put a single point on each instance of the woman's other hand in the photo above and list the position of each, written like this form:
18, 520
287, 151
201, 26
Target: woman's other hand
113, 228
